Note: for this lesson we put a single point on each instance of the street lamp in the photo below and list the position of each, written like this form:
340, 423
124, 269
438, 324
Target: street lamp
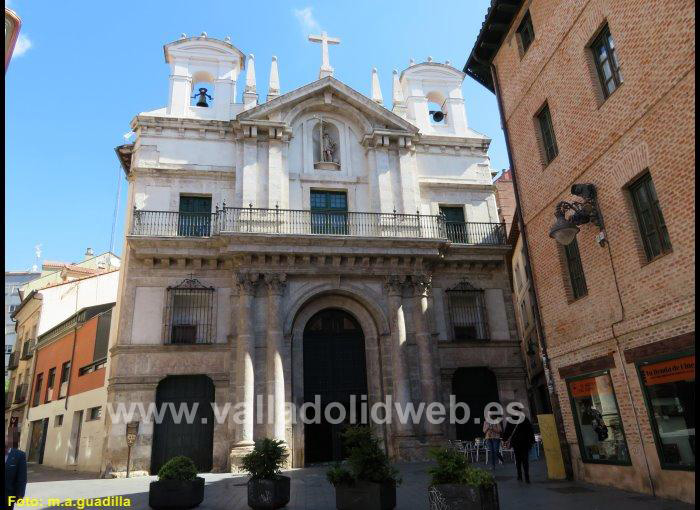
565, 228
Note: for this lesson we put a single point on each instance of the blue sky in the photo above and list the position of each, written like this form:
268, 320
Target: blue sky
84, 69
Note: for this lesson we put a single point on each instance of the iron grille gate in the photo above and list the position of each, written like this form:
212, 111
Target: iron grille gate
467, 309
189, 313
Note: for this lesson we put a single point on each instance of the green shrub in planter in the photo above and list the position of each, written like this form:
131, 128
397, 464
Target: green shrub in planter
366, 481
462, 485
178, 486
268, 489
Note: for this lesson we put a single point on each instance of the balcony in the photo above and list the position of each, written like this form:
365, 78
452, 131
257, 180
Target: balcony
20, 393
236, 220
13, 362
27, 350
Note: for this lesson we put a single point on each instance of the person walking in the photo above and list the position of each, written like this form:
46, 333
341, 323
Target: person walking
521, 436
15, 473
492, 436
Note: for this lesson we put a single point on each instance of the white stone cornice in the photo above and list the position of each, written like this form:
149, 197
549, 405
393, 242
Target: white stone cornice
445, 182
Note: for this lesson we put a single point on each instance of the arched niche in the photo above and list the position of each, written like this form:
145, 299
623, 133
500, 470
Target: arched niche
436, 103
326, 142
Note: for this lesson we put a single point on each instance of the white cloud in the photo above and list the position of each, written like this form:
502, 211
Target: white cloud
306, 19
21, 46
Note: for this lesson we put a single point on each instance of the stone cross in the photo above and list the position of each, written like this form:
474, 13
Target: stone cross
326, 69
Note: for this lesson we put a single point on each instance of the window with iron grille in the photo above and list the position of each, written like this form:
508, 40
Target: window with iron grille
49, 384
94, 413
189, 313
549, 142
576, 276
606, 63
526, 32
467, 308
652, 226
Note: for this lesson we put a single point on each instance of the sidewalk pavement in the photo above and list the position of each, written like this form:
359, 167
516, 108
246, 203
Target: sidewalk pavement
311, 491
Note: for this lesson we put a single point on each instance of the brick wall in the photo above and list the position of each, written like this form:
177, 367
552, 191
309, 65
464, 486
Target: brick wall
646, 124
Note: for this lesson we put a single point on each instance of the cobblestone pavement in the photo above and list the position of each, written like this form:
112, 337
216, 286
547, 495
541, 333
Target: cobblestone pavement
311, 491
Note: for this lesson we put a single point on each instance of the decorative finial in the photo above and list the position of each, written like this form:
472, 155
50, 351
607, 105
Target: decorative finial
430, 59
183, 35
411, 63
227, 39
448, 63
376, 90
273, 88
397, 99
204, 34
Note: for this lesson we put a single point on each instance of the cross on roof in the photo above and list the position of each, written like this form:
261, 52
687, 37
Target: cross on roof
326, 69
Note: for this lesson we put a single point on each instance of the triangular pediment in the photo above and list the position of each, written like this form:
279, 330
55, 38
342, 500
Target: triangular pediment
377, 114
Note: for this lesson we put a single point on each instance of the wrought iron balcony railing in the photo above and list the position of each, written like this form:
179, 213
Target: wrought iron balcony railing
13, 362
242, 220
20, 393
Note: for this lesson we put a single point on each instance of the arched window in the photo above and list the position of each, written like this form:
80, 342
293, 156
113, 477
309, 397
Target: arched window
467, 308
436, 108
326, 142
202, 90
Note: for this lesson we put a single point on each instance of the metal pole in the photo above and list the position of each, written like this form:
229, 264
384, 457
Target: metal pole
128, 460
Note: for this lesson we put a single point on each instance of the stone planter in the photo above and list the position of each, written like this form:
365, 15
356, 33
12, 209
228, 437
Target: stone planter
365, 496
176, 494
465, 497
268, 494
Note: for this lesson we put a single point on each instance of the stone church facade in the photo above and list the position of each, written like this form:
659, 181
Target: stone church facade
314, 242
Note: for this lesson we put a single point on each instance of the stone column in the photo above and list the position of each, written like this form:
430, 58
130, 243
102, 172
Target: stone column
245, 360
426, 362
399, 356
275, 345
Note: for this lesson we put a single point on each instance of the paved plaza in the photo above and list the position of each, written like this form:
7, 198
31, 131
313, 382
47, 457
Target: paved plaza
311, 491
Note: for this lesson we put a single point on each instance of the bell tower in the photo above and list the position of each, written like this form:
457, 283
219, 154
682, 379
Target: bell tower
433, 98
196, 60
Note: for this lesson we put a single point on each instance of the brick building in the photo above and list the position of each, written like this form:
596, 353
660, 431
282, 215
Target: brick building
602, 92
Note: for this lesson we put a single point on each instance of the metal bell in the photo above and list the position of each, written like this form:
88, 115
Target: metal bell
202, 98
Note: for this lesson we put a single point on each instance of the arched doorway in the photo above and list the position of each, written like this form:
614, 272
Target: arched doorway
193, 438
334, 369
477, 387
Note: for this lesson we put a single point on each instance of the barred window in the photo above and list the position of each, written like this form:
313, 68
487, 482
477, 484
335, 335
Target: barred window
189, 313
467, 309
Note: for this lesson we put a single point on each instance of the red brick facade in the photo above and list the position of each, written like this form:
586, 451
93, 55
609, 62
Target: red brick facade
647, 124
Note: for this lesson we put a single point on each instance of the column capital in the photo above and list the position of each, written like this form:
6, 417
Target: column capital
246, 282
422, 284
394, 284
276, 282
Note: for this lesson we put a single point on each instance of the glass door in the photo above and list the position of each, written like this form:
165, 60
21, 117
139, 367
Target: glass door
329, 212
195, 217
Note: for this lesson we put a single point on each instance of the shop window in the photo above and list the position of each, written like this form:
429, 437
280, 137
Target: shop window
599, 427
669, 392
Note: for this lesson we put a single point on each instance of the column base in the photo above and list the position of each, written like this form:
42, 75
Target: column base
238, 451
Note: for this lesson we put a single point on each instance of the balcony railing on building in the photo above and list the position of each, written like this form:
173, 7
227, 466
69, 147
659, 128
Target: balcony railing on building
20, 393
13, 362
27, 349
250, 220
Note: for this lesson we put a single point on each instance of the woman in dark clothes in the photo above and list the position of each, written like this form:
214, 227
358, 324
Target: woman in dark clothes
521, 437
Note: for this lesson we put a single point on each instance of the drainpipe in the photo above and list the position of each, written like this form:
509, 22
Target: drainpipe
554, 400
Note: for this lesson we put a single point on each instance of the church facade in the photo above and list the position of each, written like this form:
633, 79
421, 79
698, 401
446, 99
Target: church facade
312, 244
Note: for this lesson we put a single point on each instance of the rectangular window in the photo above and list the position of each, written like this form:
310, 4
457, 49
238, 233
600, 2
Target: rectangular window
58, 420
467, 308
195, 216
573, 264
93, 413
597, 418
102, 336
190, 311
549, 142
526, 32
329, 212
37, 390
606, 62
652, 226
669, 392
49, 385
65, 377
455, 225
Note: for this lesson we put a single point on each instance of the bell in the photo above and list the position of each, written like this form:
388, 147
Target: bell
202, 100
437, 115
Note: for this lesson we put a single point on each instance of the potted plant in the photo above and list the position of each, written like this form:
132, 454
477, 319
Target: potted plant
178, 486
366, 481
460, 485
267, 488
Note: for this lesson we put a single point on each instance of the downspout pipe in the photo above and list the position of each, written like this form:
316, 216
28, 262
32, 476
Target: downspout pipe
554, 400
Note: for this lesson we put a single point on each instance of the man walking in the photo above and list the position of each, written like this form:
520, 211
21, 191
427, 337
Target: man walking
521, 437
15, 472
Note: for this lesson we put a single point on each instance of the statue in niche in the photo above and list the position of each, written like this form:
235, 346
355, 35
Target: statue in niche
326, 146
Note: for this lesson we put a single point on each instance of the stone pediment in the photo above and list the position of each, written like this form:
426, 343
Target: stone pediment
282, 108
203, 48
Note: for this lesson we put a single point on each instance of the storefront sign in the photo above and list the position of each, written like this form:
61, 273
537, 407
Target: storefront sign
587, 387
674, 370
